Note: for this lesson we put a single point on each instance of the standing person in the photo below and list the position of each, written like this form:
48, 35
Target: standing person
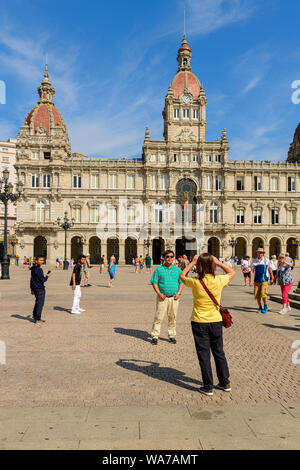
245, 267
75, 283
57, 263
285, 281
184, 262
260, 267
168, 287
86, 269
148, 263
136, 264
101, 263
274, 266
141, 263
17, 260
37, 288
288, 258
111, 270
206, 319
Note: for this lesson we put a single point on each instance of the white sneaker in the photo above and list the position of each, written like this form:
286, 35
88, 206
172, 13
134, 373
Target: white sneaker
81, 310
283, 311
75, 312
288, 309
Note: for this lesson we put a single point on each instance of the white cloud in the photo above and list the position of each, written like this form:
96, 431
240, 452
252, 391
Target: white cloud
25, 60
252, 84
205, 16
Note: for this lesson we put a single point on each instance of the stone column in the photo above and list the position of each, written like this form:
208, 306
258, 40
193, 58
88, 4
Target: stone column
122, 260
104, 250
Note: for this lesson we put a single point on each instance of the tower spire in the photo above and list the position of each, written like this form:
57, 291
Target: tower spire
184, 55
45, 90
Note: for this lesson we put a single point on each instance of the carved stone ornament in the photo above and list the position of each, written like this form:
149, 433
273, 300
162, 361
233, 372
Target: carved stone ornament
185, 136
41, 129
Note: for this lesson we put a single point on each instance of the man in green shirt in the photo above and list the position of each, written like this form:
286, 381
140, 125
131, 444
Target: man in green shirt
168, 287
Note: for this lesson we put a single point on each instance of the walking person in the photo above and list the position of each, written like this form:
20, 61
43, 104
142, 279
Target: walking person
75, 283
274, 266
141, 263
206, 319
261, 267
101, 263
245, 267
148, 263
168, 287
86, 268
136, 264
111, 270
285, 281
37, 287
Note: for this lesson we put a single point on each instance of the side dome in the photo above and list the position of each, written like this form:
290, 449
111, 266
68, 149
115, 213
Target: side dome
44, 118
294, 151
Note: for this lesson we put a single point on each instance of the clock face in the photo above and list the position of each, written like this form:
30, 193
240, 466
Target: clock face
186, 99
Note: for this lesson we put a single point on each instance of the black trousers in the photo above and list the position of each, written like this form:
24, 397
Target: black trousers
39, 303
209, 336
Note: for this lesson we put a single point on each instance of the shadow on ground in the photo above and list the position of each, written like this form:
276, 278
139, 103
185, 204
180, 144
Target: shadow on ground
28, 317
166, 374
62, 309
281, 327
139, 334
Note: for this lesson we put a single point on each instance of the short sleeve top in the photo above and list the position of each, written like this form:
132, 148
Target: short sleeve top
204, 309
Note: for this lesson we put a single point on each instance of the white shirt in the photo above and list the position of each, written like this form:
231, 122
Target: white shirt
246, 265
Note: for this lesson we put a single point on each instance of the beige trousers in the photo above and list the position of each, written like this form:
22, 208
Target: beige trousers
169, 306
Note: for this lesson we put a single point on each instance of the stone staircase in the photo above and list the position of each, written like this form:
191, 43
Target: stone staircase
293, 296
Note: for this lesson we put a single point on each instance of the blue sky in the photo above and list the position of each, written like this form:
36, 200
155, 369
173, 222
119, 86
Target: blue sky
111, 64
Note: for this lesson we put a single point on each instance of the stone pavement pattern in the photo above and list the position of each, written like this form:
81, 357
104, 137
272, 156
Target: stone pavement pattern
103, 358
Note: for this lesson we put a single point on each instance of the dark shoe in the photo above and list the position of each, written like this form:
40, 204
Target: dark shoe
89, 285
172, 340
206, 391
225, 388
154, 341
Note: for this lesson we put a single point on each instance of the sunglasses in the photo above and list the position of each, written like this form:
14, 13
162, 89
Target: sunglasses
169, 256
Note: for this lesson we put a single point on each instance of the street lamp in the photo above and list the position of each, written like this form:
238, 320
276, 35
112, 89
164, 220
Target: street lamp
147, 244
6, 195
13, 241
296, 243
232, 242
65, 225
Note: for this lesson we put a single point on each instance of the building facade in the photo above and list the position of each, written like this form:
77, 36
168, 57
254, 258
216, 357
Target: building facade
244, 204
8, 160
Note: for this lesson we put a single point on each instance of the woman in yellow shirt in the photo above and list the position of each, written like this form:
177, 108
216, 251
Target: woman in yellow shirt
206, 319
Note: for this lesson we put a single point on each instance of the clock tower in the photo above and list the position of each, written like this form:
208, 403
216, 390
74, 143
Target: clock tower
185, 103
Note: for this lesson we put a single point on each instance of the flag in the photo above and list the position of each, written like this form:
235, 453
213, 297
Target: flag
185, 204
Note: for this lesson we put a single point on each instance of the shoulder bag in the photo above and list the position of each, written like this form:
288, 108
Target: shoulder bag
226, 317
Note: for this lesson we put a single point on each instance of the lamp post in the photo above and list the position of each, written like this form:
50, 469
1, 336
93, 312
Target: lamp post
65, 225
147, 244
13, 241
232, 242
296, 243
6, 196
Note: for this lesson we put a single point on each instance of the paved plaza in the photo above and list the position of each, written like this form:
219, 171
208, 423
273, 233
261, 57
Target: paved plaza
95, 381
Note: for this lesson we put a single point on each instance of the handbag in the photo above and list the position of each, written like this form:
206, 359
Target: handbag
226, 317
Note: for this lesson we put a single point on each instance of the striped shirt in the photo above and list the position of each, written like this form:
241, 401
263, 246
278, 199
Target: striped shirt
167, 279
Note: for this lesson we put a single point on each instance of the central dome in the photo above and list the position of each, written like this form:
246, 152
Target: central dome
185, 80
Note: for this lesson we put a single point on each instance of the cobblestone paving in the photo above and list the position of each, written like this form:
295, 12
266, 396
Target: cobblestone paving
104, 355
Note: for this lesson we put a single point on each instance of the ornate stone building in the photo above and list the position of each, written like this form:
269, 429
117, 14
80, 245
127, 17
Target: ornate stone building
246, 203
